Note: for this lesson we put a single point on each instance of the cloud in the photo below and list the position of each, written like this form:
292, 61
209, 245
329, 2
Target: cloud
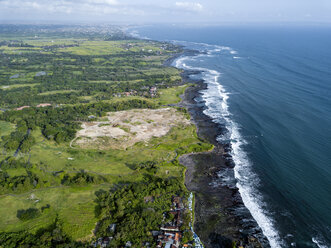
33, 5
105, 2
117, 10
189, 6
86, 7
134, 11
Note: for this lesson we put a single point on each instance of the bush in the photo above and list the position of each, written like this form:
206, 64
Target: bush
82, 178
18, 183
28, 214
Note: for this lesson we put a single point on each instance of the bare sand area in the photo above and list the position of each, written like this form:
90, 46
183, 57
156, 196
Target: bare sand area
122, 129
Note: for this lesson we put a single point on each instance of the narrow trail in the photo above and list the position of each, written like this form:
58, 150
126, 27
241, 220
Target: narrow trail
71, 142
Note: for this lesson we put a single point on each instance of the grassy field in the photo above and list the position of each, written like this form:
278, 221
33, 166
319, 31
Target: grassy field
53, 92
171, 95
109, 47
74, 205
6, 128
82, 71
15, 86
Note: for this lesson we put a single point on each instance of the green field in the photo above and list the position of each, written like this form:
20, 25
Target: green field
73, 205
6, 128
86, 77
53, 92
171, 95
15, 86
76, 203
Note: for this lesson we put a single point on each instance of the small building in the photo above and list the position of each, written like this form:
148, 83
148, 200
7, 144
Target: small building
170, 228
128, 244
177, 237
168, 244
153, 89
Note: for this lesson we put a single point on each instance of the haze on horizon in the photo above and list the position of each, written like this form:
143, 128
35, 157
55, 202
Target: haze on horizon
171, 11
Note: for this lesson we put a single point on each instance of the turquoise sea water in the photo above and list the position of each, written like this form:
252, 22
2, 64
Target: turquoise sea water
271, 88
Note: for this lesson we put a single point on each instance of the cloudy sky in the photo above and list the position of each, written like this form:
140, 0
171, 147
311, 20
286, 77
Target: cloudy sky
171, 11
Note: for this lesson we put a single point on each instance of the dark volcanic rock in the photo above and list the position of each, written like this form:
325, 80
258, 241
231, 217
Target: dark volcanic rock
221, 219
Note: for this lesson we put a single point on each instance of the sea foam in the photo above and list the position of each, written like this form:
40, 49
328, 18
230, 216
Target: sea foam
216, 101
318, 241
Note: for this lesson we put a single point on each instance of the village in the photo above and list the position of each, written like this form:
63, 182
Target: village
170, 233
168, 236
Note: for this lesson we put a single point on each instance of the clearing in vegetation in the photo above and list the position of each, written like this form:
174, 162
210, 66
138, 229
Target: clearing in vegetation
125, 128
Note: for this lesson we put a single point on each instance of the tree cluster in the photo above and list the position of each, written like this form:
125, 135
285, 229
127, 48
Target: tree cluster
18, 183
81, 178
136, 209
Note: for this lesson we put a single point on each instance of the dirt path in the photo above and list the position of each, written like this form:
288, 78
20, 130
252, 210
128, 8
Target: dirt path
71, 142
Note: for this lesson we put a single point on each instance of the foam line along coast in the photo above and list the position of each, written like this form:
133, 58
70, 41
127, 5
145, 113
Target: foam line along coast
266, 90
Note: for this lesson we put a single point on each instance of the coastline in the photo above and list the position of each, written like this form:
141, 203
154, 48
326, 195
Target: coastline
221, 218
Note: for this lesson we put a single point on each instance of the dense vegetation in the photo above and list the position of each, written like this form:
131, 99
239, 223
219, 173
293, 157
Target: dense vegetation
17, 183
51, 236
53, 194
137, 209
81, 178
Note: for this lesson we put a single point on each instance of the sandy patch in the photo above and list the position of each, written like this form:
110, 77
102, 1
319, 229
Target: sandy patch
125, 128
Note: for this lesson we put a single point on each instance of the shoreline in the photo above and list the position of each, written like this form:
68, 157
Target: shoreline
221, 218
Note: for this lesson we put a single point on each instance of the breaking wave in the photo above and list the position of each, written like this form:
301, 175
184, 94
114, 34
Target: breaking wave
319, 242
216, 101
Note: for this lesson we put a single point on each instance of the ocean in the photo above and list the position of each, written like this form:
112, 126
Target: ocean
271, 88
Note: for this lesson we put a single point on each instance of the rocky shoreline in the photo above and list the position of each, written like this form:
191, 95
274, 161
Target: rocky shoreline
221, 219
